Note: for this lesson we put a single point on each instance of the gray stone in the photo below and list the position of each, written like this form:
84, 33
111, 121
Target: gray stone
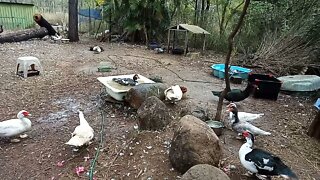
194, 142
138, 94
153, 114
204, 172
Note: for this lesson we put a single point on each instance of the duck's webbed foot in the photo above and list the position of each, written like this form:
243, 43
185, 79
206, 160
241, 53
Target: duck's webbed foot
248, 174
23, 136
16, 140
263, 177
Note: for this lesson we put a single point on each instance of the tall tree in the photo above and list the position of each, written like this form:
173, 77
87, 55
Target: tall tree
73, 34
228, 57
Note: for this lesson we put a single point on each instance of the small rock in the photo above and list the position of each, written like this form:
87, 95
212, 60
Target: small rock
153, 114
138, 94
204, 172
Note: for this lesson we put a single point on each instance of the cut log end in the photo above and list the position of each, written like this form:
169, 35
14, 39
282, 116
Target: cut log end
37, 17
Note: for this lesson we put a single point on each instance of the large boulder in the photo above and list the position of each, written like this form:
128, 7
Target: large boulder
194, 142
153, 114
204, 172
138, 94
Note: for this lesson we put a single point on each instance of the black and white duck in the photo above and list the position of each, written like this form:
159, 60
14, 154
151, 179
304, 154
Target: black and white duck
260, 162
244, 116
236, 95
240, 126
127, 81
96, 49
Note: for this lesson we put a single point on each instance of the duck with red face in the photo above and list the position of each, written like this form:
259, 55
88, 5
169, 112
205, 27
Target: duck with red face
14, 127
175, 93
260, 162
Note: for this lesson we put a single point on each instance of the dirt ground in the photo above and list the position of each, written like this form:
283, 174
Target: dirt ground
69, 83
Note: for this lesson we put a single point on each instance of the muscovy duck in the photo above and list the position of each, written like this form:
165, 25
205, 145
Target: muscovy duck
174, 93
244, 116
96, 49
236, 95
14, 127
260, 162
82, 134
127, 81
240, 126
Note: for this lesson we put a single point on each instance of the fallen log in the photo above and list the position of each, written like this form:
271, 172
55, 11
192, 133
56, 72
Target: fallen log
23, 35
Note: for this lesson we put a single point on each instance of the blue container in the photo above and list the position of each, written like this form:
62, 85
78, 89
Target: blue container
218, 71
317, 104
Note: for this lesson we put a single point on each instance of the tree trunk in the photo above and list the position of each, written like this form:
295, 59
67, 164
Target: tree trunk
314, 129
73, 21
23, 35
38, 18
195, 21
228, 57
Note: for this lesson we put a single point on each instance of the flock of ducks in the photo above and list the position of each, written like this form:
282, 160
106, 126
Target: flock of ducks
82, 134
258, 162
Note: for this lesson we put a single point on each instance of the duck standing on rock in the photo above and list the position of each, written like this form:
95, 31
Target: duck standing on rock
240, 126
260, 162
174, 93
236, 95
14, 127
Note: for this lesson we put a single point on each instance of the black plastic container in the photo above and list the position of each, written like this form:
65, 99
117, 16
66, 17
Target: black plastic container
266, 86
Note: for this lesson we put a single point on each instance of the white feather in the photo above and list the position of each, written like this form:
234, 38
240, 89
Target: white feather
82, 134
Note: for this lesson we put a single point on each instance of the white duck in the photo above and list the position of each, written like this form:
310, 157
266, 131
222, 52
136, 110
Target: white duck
14, 127
174, 93
82, 134
96, 49
244, 116
240, 126
260, 162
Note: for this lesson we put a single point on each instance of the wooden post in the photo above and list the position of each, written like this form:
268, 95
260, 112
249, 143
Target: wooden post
204, 43
90, 27
186, 44
174, 39
168, 40
314, 129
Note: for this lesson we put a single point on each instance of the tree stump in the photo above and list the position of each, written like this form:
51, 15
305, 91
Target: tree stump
314, 129
23, 35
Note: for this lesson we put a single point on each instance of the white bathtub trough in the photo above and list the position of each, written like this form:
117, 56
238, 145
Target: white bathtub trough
118, 91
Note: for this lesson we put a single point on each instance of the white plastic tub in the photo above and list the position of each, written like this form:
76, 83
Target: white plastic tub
300, 83
118, 91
